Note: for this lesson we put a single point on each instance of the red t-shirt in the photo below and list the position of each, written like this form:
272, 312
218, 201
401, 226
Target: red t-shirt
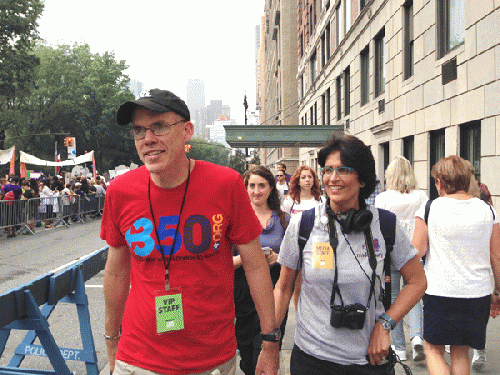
216, 214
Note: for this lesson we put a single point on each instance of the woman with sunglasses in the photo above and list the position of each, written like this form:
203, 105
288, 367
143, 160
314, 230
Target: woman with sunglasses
342, 326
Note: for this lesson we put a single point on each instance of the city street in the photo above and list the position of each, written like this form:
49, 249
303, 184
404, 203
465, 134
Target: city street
24, 258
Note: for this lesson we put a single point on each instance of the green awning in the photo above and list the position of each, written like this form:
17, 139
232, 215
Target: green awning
262, 136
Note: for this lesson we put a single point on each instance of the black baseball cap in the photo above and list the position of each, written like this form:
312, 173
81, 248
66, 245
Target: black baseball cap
158, 101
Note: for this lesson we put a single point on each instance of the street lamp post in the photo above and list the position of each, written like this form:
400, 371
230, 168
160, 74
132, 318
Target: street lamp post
245, 104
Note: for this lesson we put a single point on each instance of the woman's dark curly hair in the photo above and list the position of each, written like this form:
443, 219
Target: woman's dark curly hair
273, 201
294, 191
354, 154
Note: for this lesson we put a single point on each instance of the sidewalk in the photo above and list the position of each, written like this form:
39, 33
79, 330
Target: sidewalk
417, 368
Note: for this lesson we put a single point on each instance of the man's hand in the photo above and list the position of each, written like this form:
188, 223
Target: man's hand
380, 340
268, 362
112, 347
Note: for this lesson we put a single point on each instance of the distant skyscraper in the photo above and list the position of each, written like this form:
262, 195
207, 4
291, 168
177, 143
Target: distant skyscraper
136, 87
257, 66
196, 105
195, 94
214, 110
226, 111
217, 133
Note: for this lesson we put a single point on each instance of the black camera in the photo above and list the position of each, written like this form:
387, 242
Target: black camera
349, 316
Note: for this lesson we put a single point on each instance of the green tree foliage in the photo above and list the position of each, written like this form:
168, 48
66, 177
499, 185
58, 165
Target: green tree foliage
18, 20
255, 157
212, 152
237, 162
77, 93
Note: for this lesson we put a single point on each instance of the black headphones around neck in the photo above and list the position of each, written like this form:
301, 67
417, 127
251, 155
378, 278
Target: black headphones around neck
354, 221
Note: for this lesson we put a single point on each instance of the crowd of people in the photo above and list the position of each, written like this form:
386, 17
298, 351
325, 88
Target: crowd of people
337, 245
40, 202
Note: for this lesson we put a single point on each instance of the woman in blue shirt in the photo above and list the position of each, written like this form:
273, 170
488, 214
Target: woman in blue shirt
264, 197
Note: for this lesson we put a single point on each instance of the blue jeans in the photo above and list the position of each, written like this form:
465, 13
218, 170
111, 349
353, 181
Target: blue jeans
415, 316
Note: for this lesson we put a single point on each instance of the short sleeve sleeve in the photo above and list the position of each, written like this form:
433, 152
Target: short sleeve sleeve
110, 231
403, 249
289, 251
421, 211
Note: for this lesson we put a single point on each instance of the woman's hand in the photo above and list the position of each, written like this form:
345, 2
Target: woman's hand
272, 258
380, 340
495, 305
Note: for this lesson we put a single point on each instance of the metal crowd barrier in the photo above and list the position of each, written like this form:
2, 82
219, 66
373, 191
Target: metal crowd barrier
19, 310
25, 215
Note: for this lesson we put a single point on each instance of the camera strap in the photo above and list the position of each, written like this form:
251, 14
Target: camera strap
334, 244
370, 246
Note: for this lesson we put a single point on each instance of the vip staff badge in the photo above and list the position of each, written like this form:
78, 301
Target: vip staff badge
169, 314
323, 255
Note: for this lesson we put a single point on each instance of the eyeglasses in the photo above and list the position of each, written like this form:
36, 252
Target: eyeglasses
280, 175
139, 132
341, 171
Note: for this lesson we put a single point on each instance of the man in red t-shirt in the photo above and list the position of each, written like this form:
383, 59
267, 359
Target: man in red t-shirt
169, 279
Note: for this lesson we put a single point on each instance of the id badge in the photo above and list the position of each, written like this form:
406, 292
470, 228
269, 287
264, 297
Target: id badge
168, 311
323, 257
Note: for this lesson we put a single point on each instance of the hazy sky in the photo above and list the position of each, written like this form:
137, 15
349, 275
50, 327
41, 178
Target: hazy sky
167, 42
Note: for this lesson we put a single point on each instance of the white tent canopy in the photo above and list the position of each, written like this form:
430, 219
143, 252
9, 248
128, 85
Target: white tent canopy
6, 155
30, 159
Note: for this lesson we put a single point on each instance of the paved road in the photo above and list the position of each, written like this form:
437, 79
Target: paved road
24, 258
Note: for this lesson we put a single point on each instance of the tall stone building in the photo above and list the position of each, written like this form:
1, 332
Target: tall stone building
136, 87
278, 92
195, 101
418, 78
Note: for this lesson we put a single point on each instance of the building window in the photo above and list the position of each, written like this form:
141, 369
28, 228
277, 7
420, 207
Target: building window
311, 21
339, 97
380, 63
451, 29
436, 153
311, 114
338, 24
385, 157
365, 75
313, 67
327, 40
316, 113
409, 60
323, 50
470, 145
301, 87
315, 12
301, 46
409, 149
325, 100
347, 16
347, 91
323, 109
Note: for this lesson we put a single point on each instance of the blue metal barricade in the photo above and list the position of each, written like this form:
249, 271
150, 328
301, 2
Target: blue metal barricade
19, 310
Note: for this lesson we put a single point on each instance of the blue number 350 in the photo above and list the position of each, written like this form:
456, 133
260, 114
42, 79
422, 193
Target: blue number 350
167, 229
